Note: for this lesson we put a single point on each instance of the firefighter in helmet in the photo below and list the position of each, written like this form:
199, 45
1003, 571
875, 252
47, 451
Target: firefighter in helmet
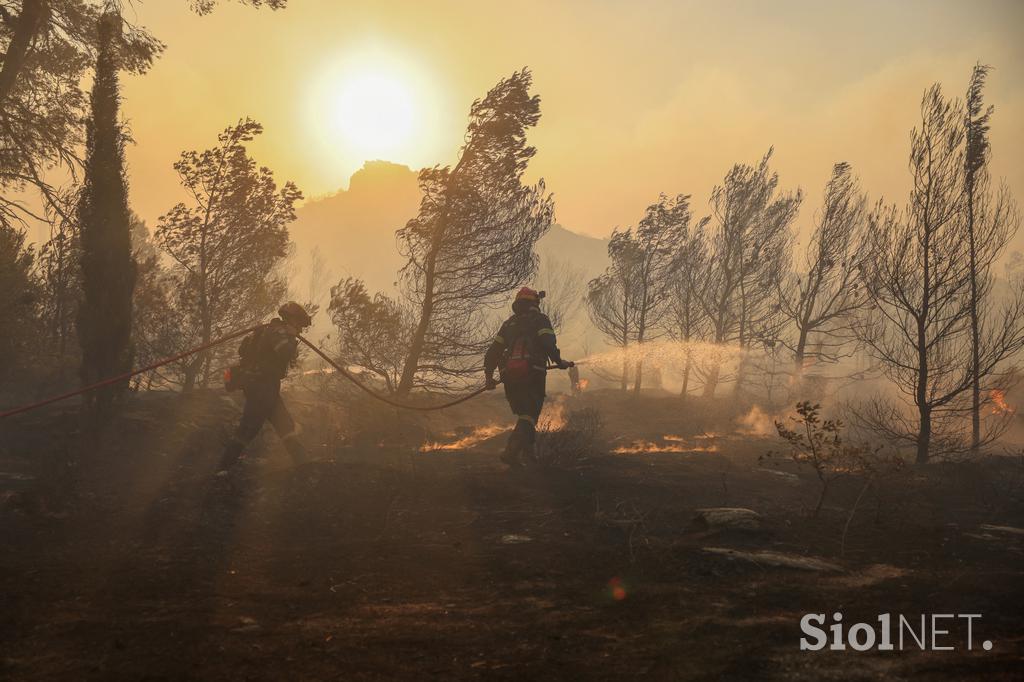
520, 351
265, 356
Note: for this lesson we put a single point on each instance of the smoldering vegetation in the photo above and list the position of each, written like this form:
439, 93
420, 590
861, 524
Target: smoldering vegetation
760, 421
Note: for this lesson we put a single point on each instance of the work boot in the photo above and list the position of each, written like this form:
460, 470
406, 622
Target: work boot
297, 451
528, 454
232, 452
510, 455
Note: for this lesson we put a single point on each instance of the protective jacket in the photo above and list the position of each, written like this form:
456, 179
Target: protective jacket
531, 327
268, 352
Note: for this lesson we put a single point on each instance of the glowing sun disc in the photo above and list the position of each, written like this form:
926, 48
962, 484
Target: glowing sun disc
374, 113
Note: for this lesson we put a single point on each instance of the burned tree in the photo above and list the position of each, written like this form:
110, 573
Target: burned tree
473, 239
991, 222
748, 252
919, 280
821, 301
107, 268
660, 241
227, 242
688, 323
612, 297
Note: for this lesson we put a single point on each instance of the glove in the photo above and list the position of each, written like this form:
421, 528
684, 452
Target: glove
489, 383
565, 364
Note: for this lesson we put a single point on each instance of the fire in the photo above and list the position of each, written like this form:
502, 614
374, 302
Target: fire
999, 404
582, 384
553, 416
475, 438
669, 443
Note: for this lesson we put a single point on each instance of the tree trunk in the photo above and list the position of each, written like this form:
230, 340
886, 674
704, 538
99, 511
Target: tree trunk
26, 26
426, 311
638, 379
686, 373
712, 382
924, 435
624, 384
975, 336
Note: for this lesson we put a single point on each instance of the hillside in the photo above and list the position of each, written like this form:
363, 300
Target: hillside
353, 231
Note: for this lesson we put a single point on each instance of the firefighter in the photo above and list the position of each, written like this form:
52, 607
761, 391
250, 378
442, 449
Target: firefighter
265, 356
520, 351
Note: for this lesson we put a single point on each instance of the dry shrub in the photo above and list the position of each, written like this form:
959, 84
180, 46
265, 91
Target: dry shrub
580, 438
821, 445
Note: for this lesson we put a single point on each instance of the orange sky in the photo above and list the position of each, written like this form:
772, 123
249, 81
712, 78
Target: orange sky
637, 97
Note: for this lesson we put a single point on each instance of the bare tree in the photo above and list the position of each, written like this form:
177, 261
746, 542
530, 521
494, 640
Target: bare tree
661, 239
748, 252
228, 241
821, 301
562, 283
991, 222
918, 284
473, 239
688, 323
612, 297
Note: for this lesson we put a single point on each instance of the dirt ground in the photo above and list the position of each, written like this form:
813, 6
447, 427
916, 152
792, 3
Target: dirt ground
130, 560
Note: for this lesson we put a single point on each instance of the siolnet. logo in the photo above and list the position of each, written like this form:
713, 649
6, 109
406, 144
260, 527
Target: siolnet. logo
928, 632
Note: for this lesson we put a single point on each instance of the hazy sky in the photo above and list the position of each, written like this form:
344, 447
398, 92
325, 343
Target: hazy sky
637, 97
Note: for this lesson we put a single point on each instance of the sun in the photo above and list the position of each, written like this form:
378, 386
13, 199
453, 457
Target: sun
373, 114
375, 102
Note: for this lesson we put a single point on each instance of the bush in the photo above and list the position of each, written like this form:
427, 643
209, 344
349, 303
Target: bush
578, 439
820, 445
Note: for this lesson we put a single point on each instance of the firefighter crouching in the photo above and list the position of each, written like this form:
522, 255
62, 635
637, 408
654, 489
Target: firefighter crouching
265, 356
520, 351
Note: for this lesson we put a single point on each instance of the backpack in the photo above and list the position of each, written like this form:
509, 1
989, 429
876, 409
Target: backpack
517, 362
237, 376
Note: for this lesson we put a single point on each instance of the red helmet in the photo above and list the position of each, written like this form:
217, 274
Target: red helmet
528, 294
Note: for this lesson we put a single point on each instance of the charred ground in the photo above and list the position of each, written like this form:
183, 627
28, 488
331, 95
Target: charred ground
130, 560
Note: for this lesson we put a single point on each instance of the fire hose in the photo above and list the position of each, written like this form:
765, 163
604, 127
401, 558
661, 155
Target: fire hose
224, 339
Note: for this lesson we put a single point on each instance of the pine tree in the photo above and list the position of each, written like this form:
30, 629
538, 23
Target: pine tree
108, 270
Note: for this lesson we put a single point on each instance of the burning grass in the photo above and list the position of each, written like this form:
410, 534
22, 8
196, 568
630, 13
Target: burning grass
472, 439
668, 443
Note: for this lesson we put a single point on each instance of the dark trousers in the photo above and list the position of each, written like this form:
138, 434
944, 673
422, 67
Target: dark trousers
526, 398
263, 403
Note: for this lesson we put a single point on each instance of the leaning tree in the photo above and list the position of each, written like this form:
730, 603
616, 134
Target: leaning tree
473, 239
821, 300
748, 250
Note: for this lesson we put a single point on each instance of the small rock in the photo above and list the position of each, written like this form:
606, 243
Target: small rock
736, 518
1010, 530
777, 559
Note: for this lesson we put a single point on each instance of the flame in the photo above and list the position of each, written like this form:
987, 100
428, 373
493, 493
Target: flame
553, 416
999, 404
669, 443
582, 384
475, 438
